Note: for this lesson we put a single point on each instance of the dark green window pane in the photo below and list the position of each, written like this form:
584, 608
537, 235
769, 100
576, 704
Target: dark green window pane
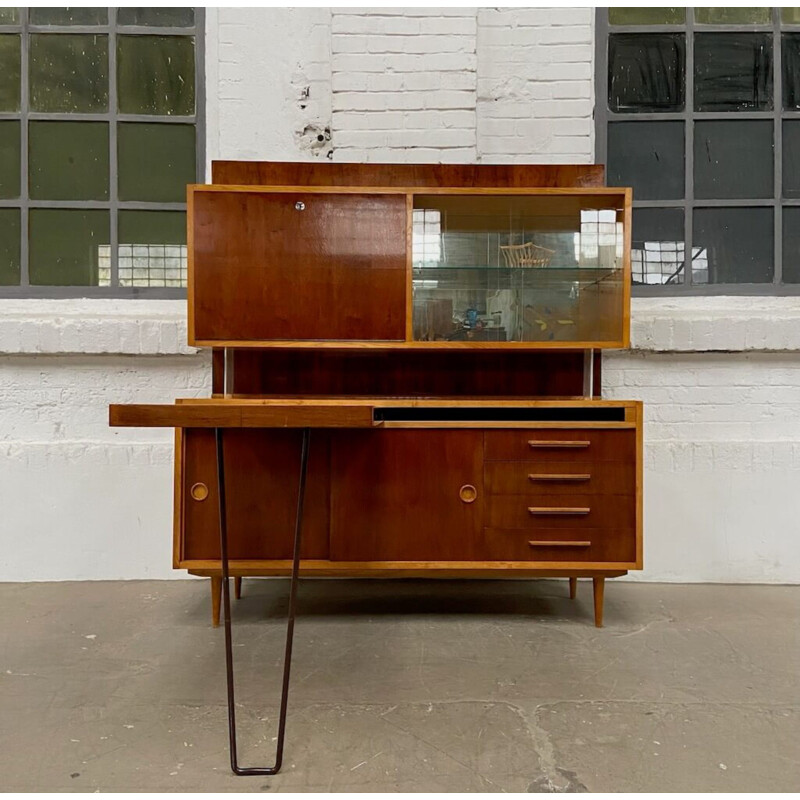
646, 16
152, 248
791, 159
156, 161
68, 160
9, 72
646, 71
9, 159
69, 72
647, 156
67, 246
155, 75
791, 16
9, 246
791, 71
791, 245
733, 16
733, 245
733, 160
657, 246
68, 16
9, 16
733, 72
156, 17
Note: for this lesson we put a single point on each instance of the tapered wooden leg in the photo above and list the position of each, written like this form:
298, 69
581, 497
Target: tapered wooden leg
599, 588
573, 588
216, 597
237, 588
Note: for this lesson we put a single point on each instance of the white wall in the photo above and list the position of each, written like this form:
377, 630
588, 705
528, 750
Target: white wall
720, 376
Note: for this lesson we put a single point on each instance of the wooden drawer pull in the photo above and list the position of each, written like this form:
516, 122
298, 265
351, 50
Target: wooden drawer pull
560, 544
468, 493
570, 477
555, 511
534, 443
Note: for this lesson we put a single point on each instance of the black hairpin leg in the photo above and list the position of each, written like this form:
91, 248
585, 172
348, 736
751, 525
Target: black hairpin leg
287, 659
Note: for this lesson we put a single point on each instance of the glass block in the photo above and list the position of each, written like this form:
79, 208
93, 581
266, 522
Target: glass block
10, 72
658, 246
791, 245
733, 72
10, 154
622, 15
152, 248
163, 17
728, 15
68, 160
9, 16
69, 72
733, 245
66, 246
791, 16
646, 71
9, 246
791, 159
649, 156
156, 161
68, 16
733, 159
791, 71
155, 75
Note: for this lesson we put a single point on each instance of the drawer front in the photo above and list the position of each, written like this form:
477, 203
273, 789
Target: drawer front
553, 444
559, 478
540, 511
587, 545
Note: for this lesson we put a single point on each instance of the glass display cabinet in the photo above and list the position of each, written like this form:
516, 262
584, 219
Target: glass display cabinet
518, 268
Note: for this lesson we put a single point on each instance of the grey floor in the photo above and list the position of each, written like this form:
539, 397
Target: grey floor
411, 686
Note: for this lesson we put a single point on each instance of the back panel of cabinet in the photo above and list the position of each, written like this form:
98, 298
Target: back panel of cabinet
296, 266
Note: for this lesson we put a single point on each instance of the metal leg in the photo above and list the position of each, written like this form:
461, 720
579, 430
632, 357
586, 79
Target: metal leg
287, 659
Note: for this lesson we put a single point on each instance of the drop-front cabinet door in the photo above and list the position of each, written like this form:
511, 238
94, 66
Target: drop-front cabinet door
296, 266
406, 495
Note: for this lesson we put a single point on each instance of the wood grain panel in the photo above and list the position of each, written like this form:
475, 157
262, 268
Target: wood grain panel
551, 511
561, 445
560, 478
261, 473
395, 495
606, 544
304, 173
396, 373
263, 270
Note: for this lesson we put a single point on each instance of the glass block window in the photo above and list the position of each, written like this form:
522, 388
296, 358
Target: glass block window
100, 115
698, 109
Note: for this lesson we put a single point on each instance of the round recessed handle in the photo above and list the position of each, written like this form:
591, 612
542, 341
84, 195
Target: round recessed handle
468, 493
300, 205
199, 492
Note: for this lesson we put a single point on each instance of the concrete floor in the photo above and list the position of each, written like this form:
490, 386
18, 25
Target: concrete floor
409, 686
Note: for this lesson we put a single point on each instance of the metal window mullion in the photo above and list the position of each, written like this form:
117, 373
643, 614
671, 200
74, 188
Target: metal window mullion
24, 107
777, 89
688, 136
199, 94
112, 145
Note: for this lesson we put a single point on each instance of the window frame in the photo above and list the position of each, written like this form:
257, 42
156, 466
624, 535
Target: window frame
112, 117
688, 116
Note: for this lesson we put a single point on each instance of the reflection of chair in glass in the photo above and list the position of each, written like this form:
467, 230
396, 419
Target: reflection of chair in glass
526, 255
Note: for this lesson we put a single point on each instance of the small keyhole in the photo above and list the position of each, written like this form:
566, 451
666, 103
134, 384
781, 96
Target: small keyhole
300, 205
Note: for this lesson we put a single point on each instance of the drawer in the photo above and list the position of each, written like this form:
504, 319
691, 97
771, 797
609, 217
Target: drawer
553, 444
559, 477
531, 512
588, 545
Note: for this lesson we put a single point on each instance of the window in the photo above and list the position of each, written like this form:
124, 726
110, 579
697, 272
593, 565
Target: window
699, 111
99, 118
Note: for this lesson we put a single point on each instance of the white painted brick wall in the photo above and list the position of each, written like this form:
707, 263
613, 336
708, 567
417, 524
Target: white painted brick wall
720, 376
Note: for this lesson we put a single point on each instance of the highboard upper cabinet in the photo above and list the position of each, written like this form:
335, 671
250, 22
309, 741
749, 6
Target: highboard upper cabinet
433, 268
